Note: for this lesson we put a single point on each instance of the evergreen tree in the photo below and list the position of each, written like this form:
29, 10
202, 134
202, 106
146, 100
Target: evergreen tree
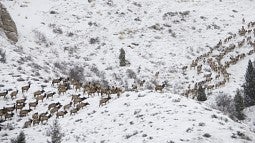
56, 135
249, 85
21, 138
239, 106
201, 96
122, 58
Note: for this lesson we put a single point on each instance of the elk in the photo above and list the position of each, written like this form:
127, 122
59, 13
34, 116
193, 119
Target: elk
33, 104
91, 91
68, 106
44, 118
39, 92
20, 101
56, 81
27, 123
24, 113
4, 93
25, 88
50, 95
52, 105
78, 100
61, 113
41, 97
78, 86
14, 94
8, 115
75, 96
36, 121
160, 87
35, 116
20, 106
62, 90
43, 114
104, 101
10, 109
55, 109
81, 105
3, 112
73, 111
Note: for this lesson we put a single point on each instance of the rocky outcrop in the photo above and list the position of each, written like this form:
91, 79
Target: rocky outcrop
7, 24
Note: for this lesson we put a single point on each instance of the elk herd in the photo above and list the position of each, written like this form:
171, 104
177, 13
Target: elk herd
62, 85
220, 58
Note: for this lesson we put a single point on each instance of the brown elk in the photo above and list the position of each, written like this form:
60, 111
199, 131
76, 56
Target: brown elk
14, 94
24, 113
50, 95
39, 92
44, 118
43, 114
33, 104
27, 123
62, 90
73, 111
78, 86
20, 101
36, 121
20, 106
8, 115
4, 93
10, 109
41, 97
75, 96
35, 116
78, 100
104, 101
3, 111
68, 106
81, 105
55, 109
92, 91
52, 105
61, 113
25, 88
159, 87
56, 81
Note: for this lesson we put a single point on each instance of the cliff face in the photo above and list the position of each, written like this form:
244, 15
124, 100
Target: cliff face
7, 24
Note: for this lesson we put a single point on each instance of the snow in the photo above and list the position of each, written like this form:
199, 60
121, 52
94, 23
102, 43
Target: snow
126, 24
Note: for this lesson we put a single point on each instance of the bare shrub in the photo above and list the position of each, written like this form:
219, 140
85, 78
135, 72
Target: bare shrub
41, 39
131, 74
225, 103
57, 30
77, 73
62, 66
94, 40
97, 72
3, 56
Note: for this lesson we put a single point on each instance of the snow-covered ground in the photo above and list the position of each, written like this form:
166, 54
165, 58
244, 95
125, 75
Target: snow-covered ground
157, 36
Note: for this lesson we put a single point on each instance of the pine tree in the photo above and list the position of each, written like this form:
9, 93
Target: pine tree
21, 138
122, 58
239, 106
249, 85
56, 135
201, 96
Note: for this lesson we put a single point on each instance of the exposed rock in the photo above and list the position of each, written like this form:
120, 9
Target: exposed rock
7, 24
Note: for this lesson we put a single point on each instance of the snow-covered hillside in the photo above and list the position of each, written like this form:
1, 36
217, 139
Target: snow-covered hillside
158, 36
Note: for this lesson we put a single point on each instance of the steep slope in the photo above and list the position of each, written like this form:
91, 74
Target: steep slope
142, 117
158, 36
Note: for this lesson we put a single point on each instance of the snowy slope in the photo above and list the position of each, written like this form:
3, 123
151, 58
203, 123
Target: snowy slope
141, 117
54, 36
